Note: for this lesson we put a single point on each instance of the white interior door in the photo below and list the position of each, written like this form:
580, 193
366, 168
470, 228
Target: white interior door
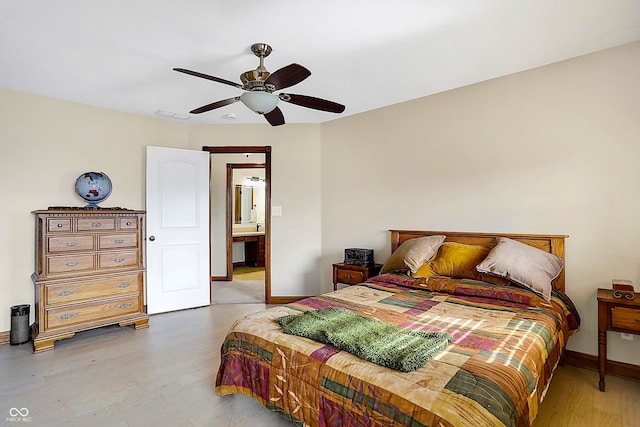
177, 242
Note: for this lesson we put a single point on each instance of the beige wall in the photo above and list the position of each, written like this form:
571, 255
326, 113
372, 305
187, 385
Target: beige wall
551, 150
45, 144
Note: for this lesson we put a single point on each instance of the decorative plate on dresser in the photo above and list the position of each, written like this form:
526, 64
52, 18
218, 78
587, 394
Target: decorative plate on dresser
89, 272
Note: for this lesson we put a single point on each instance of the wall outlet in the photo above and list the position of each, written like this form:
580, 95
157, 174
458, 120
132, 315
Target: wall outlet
628, 337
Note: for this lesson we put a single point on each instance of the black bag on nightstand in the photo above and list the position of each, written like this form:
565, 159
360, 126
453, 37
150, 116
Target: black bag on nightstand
358, 256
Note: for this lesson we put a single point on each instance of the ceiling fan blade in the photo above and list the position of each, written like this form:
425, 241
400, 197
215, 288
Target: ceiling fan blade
311, 102
208, 77
275, 117
215, 105
287, 76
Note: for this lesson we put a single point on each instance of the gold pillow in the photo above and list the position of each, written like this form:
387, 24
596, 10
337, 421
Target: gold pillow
412, 253
459, 261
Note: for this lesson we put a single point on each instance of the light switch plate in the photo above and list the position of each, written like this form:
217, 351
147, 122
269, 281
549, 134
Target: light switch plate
628, 337
276, 210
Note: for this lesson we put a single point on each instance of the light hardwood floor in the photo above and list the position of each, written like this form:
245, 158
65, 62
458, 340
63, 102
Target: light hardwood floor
164, 376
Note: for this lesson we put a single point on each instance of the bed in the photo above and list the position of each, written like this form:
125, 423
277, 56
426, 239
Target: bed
506, 338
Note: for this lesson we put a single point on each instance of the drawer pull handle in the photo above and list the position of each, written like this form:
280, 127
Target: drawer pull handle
71, 263
96, 224
66, 316
125, 305
60, 225
348, 276
118, 259
123, 285
118, 241
65, 293
72, 244
128, 223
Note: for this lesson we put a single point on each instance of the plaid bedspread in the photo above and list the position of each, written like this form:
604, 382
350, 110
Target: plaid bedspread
506, 344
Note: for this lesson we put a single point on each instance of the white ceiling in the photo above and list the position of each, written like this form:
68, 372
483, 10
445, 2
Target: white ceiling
365, 54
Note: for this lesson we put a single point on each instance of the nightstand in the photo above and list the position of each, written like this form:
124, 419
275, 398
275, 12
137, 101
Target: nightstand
353, 274
614, 314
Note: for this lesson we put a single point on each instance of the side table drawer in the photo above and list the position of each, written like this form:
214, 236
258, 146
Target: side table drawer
625, 318
350, 277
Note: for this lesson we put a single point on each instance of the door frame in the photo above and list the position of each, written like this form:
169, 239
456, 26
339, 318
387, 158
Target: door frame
266, 150
230, 213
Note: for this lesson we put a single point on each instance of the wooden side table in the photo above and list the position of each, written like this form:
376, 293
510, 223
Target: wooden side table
614, 314
353, 274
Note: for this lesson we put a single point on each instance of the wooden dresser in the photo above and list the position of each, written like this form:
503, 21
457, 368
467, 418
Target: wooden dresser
89, 272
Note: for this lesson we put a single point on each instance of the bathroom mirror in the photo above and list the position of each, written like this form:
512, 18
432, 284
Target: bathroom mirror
243, 204
248, 196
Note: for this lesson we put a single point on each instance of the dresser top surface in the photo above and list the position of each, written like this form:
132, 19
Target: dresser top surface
81, 211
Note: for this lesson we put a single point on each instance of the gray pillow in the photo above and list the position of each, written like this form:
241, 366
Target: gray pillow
412, 253
525, 265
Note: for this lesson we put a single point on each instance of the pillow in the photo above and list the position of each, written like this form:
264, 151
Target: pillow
412, 253
459, 260
525, 265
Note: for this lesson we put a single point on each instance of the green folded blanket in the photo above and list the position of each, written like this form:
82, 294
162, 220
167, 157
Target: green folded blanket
370, 339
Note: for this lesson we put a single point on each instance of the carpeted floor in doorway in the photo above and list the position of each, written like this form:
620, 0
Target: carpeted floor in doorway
248, 273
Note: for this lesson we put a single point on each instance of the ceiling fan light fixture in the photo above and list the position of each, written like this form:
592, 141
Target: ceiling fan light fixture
259, 102
259, 85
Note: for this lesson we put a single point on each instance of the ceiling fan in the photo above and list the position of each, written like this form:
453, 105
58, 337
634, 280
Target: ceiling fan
259, 85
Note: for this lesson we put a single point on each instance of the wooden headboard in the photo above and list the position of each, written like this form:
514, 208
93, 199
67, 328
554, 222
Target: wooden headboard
547, 242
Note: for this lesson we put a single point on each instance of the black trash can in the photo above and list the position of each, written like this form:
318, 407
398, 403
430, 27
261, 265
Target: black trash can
19, 324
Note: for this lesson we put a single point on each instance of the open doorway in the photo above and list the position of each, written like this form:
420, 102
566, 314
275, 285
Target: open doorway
246, 260
240, 220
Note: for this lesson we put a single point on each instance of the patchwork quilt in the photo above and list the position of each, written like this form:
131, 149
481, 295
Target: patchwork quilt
506, 344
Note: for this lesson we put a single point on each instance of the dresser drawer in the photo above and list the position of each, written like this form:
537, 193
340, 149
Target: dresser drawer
76, 243
128, 223
120, 259
96, 224
114, 241
350, 277
78, 291
625, 318
70, 263
58, 225
90, 312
